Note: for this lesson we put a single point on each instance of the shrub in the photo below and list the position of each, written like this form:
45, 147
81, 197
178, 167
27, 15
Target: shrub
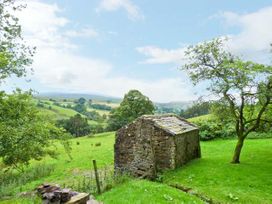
76, 125
211, 128
101, 107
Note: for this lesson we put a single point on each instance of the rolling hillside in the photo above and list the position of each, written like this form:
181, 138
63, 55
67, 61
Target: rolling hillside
212, 176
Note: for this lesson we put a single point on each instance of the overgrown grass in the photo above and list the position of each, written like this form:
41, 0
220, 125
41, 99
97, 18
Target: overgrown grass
13, 179
66, 171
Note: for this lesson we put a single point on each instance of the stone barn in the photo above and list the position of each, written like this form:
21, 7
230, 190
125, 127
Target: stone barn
153, 143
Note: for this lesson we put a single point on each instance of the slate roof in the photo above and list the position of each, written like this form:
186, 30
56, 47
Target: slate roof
171, 123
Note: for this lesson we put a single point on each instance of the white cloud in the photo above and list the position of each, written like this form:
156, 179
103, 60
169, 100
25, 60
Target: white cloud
158, 55
59, 65
252, 42
254, 39
85, 33
132, 10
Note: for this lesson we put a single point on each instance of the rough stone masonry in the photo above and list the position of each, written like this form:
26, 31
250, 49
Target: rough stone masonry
154, 143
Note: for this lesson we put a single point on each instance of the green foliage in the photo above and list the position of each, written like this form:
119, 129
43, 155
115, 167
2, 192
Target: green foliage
197, 109
243, 87
93, 115
163, 110
134, 104
24, 133
100, 107
98, 128
10, 180
76, 125
81, 100
15, 56
212, 128
81, 108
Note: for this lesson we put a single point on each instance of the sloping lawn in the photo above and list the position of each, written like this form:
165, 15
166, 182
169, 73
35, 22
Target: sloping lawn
214, 176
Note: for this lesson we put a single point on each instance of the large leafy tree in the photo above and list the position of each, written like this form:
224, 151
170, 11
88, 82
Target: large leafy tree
134, 104
15, 55
24, 133
243, 87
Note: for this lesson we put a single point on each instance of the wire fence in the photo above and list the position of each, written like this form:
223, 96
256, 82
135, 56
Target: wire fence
86, 181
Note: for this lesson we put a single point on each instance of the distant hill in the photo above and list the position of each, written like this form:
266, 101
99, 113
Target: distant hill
176, 104
170, 107
56, 95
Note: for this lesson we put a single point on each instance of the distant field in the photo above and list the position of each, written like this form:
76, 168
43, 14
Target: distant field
101, 112
64, 113
212, 175
111, 104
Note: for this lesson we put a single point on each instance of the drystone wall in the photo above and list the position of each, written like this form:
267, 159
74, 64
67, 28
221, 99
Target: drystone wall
187, 147
133, 150
142, 148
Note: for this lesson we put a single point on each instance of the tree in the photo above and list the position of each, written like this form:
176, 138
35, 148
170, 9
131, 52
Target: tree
244, 87
81, 108
25, 134
81, 101
197, 109
134, 104
76, 125
15, 56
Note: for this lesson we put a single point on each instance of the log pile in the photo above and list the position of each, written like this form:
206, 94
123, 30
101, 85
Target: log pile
53, 194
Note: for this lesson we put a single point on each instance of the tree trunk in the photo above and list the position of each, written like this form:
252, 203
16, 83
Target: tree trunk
237, 151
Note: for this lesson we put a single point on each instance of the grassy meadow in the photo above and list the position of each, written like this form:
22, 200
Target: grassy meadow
212, 176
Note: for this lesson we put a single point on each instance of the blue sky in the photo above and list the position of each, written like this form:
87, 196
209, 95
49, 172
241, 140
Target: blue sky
111, 46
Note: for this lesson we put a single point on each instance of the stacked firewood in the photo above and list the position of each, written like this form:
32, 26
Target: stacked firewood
54, 194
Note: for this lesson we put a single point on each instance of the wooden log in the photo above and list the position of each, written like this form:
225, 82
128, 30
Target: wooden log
80, 198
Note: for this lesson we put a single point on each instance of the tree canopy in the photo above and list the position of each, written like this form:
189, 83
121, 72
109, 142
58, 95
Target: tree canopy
134, 104
25, 134
15, 55
243, 87
76, 125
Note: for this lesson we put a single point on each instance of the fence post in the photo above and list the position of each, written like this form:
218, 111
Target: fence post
96, 177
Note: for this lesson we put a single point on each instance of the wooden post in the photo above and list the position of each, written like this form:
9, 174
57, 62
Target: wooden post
96, 177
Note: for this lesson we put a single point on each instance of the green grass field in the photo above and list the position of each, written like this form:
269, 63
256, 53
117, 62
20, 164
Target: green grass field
59, 113
143, 191
212, 175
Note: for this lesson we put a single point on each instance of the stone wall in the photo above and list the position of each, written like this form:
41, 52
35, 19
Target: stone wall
134, 151
142, 149
187, 147
164, 149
